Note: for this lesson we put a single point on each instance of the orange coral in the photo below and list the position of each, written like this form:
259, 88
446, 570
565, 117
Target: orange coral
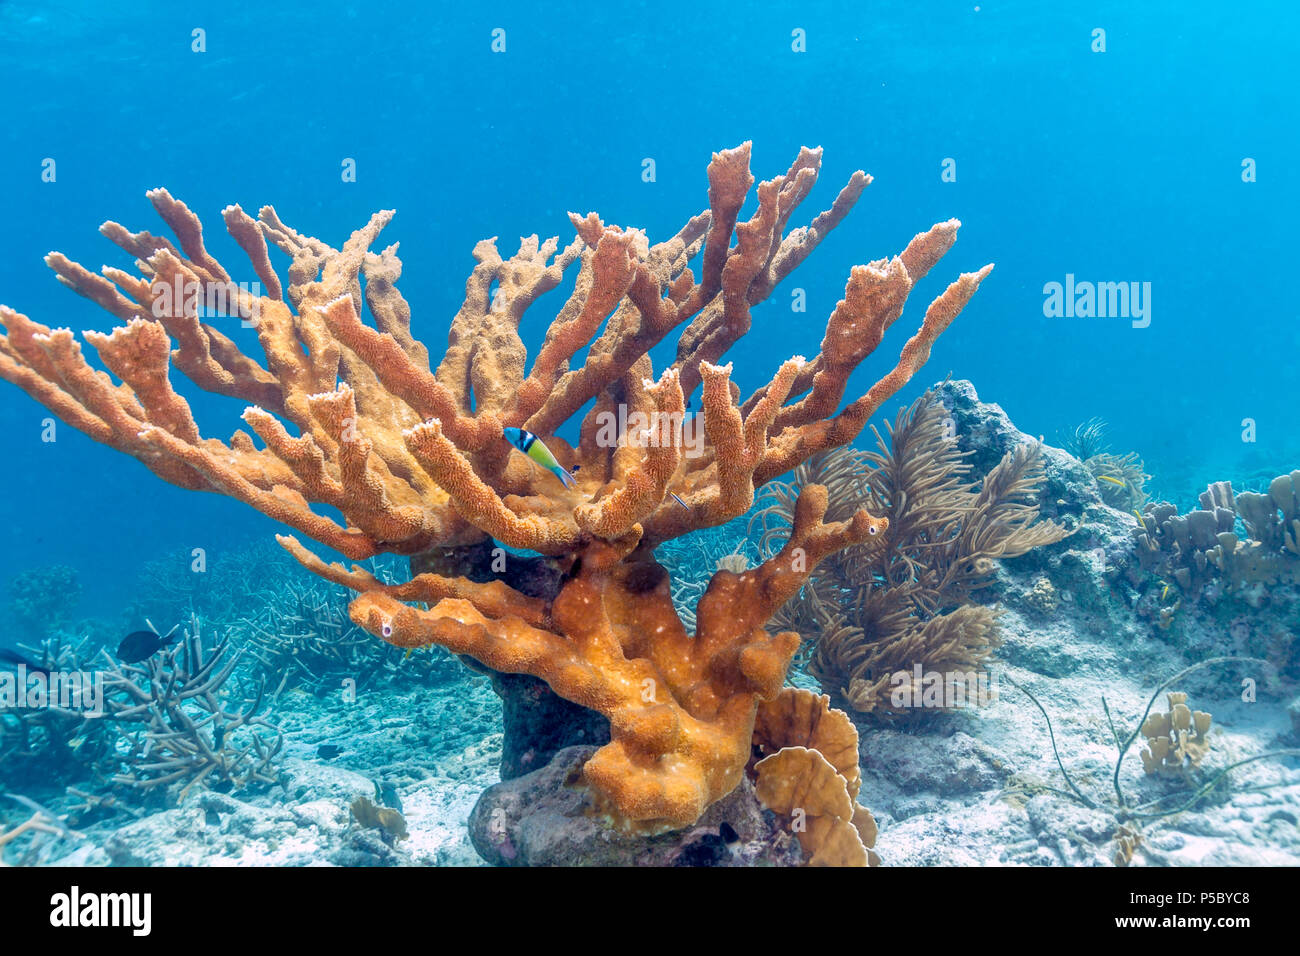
353, 416
811, 777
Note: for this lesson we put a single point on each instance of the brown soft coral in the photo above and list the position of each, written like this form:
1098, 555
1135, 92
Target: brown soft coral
899, 609
354, 417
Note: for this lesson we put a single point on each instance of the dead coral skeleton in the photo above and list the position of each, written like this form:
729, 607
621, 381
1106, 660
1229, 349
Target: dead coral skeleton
167, 720
191, 729
32, 840
51, 742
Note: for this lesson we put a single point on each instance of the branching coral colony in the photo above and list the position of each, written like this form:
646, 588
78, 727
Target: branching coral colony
414, 458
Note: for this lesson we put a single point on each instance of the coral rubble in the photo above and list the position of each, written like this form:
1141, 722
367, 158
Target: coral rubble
28, 842
355, 418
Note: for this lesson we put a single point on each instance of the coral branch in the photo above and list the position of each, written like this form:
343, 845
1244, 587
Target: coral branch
415, 457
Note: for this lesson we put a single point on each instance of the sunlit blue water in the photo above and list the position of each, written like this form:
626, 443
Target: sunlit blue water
1122, 166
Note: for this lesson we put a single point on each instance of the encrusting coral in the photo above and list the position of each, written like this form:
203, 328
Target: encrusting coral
354, 417
888, 610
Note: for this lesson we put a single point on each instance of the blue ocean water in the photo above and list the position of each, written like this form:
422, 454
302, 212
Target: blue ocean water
1117, 166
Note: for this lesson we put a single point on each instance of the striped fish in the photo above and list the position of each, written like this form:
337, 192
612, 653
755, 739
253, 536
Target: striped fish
536, 449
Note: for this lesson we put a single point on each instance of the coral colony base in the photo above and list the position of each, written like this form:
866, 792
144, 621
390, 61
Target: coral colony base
609, 592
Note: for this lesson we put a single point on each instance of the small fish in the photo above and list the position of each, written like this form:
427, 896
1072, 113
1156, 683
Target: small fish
730, 837
13, 657
679, 501
386, 794
711, 849
139, 645
328, 751
1113, 481
536, 449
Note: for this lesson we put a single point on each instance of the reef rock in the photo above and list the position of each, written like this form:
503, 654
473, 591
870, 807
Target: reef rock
1078, 569
546, 818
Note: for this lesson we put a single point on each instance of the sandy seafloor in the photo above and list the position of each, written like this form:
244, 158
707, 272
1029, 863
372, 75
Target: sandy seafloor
959, 792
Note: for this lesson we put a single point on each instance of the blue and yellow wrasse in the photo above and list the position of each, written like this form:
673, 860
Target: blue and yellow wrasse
536, 449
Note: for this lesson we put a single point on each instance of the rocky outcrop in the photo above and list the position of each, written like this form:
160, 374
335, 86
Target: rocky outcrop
545, 818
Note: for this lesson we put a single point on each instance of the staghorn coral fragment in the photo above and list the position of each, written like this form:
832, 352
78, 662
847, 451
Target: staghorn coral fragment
192, 730
37, 828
